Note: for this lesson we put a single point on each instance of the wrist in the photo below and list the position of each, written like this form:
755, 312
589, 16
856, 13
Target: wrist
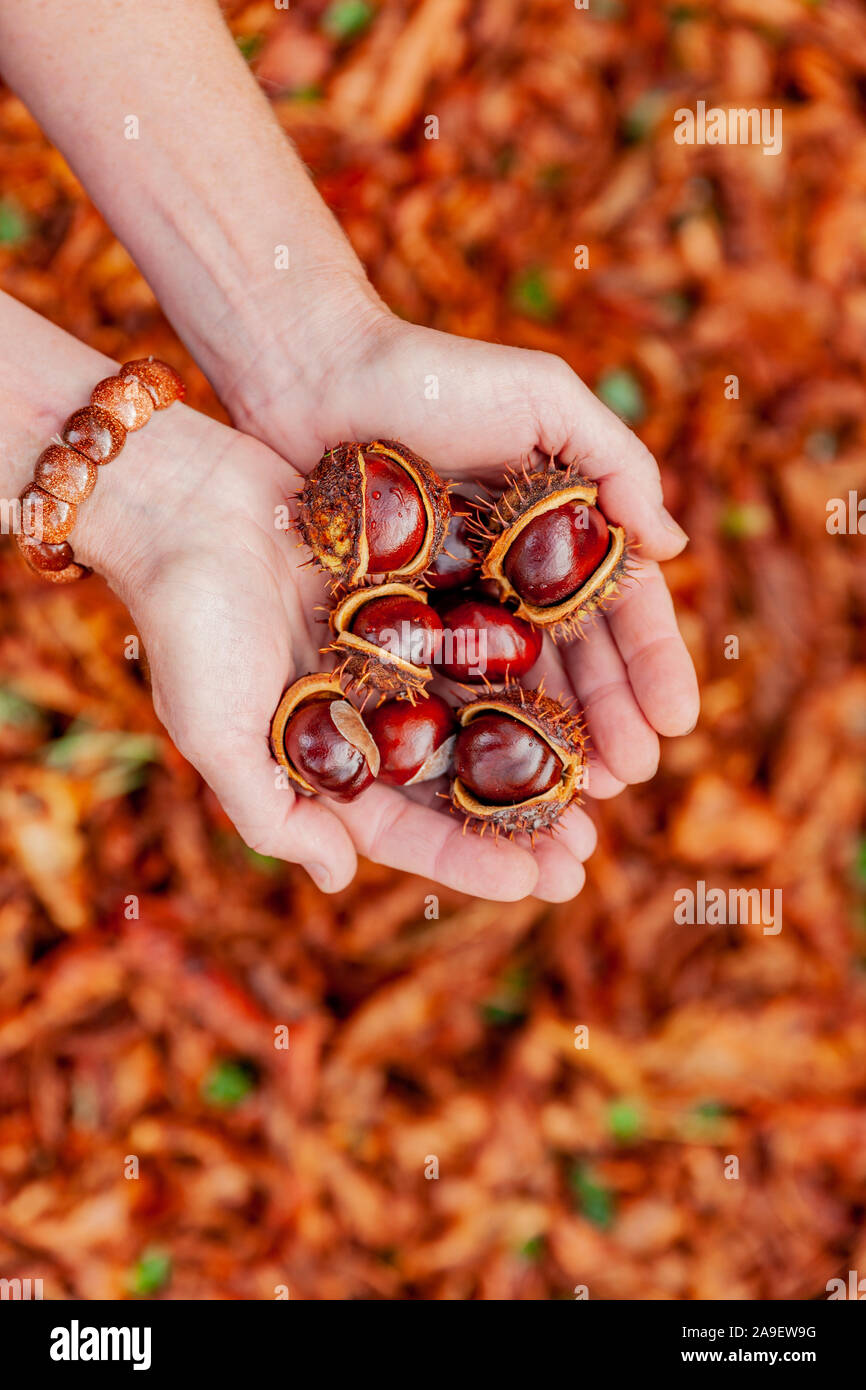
304, 342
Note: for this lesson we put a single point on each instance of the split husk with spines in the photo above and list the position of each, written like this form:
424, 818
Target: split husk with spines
532, 495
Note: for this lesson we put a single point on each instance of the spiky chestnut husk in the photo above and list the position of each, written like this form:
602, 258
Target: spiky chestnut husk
320, 686
531, 496
332, 514
561, 728
364, 664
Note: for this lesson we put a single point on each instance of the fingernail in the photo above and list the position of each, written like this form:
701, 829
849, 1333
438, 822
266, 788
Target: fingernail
673, 525
320, 876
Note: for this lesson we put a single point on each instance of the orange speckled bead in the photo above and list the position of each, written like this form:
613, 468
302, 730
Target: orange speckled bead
68, 575
65, 473
124, 397
94, 433
42, 556
53, 519
159, 379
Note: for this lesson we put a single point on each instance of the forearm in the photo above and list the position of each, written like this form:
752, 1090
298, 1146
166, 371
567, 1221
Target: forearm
208, 189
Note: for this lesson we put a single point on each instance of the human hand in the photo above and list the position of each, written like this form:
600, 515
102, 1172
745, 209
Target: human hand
229, 618
498, 407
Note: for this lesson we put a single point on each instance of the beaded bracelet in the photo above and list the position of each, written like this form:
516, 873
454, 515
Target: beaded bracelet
66, 471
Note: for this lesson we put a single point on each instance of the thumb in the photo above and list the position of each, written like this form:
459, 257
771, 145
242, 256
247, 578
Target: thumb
274, 820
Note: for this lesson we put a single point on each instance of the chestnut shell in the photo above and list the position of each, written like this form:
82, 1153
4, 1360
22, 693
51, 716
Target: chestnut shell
561, 727
320, 685
365, 664
527, 498
332, 509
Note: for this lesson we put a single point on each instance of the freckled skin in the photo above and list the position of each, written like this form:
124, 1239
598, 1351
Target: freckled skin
404, 627
407, 735
556, 553
324, 758
503, 762
395, 516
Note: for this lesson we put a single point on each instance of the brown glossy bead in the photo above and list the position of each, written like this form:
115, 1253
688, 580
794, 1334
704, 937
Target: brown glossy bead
404, 627
52, 519
126, 398
65, 473
408, 737
485, 641
556, 552
503, 762
42, 556
394, 515
159, 379
332, 765
94, 433
456, 565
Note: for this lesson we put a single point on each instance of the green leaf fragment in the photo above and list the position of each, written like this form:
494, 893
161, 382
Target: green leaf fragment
150, 1273
228, 1083
620, 389
345, 19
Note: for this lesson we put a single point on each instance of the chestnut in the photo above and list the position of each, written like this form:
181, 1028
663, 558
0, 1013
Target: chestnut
519, 759
388, 636
414, 741
503, 761
373, 508
322, 741
457, 563
485, 641
393, 515
556, 552
551, 550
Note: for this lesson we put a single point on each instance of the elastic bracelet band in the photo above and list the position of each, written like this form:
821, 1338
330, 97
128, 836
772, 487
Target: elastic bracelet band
66, 472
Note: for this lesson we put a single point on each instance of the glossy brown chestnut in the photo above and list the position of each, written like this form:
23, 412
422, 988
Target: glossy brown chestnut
321, 740
457, 564
485, 641
414, 741
330, 762
394, 516
556, 552
504, 762
404, 627
375, 508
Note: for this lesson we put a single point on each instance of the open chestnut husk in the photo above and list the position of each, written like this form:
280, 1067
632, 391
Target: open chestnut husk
373, 509
414, 740
551, 550
519, 759
322, 741
484, 641
388, 637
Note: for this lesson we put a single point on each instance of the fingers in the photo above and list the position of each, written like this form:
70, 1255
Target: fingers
621, 735
561, 857
660, 670
391, 830
575, 424
273, 820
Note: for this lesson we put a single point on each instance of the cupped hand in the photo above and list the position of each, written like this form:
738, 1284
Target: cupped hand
474, 409
229, 618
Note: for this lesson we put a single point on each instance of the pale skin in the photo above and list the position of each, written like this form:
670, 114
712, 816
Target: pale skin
182, 523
